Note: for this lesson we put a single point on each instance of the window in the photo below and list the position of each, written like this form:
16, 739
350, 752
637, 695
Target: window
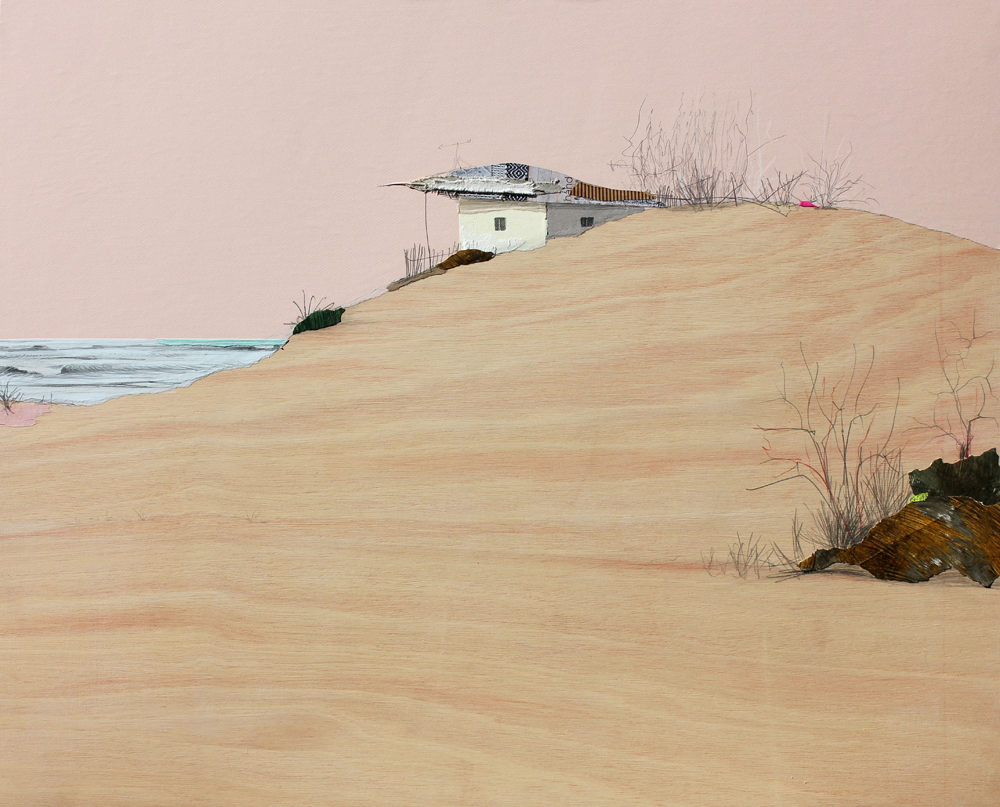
499, 223
587, 221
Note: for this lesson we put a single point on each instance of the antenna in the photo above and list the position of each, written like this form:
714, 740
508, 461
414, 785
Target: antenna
458, 163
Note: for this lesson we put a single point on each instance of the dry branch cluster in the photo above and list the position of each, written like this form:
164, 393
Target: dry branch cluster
831, 183
747, 557
718, 156
961, 406
419, 259
833, 445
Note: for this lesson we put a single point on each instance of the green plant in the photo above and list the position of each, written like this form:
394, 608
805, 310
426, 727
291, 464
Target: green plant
317, 320
313, 315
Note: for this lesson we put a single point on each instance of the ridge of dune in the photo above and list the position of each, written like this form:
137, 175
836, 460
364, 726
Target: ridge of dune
448, 551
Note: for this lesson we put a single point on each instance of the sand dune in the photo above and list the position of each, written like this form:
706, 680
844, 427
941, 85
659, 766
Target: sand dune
449, 552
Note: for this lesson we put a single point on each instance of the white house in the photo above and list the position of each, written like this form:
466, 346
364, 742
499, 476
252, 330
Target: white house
512, 206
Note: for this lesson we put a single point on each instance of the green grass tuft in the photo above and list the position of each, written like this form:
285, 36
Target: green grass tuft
323, 318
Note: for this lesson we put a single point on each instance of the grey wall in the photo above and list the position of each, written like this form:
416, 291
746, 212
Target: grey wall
564, 219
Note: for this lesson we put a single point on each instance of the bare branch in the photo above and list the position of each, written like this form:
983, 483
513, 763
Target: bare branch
967, 391
856, 474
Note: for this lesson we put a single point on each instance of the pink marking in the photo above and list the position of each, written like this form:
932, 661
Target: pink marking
22, 414
806, 203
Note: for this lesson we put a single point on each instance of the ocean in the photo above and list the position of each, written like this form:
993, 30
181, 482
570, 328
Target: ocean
90, 371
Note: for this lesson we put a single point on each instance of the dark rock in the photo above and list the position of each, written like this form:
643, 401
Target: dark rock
924, 539
975, 477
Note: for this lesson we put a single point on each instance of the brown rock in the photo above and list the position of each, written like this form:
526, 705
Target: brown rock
924, 539
464, 257
461, 258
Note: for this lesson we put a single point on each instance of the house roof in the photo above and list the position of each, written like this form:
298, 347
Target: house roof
598, 194
517, 181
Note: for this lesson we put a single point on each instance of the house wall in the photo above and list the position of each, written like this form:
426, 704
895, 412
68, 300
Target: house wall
564, 218
526, 225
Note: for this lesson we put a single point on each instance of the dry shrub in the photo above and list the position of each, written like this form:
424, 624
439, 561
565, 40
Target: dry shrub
833, 446
708, 157
715, 155
747, 557
831, 183
962, 407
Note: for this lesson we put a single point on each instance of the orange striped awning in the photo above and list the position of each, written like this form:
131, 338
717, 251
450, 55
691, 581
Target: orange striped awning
599, 194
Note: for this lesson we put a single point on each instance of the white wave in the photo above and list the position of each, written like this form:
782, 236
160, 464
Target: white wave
90, 371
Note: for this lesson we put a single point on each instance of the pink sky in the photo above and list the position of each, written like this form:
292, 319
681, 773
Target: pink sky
186, 168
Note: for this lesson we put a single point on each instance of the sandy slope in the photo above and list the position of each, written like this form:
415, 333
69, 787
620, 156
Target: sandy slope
448, 552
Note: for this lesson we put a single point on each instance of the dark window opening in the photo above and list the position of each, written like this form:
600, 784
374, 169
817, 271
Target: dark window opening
499, 223
587, 221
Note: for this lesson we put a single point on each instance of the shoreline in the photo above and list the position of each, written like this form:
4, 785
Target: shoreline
90, 371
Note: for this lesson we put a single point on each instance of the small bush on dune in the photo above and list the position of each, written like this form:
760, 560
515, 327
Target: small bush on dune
313, 315
831, 183
323, 318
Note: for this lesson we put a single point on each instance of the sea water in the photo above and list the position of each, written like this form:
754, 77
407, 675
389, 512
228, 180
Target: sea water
89, 371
